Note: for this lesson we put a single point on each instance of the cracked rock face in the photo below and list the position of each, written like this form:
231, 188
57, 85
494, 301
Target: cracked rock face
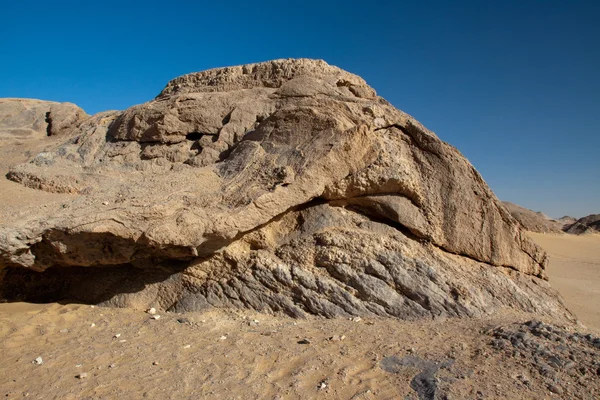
284, 186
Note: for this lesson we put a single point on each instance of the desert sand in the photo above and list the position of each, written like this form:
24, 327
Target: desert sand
103, 353
246, 355
574, 270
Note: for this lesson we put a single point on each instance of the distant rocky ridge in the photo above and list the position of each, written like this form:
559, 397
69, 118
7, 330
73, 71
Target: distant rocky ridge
533, 221
539, 222
285, 186
589, 224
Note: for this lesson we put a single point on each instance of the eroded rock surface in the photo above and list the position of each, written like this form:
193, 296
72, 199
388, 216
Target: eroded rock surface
34, 119
285, 186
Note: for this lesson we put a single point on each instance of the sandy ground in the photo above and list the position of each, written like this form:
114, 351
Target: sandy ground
574, 270
235, 355
103, 353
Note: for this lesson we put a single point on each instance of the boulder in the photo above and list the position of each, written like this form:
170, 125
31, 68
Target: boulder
285, 186
34, 119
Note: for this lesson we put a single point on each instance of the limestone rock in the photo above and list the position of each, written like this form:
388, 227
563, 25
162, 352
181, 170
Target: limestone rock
34, 119
285, 186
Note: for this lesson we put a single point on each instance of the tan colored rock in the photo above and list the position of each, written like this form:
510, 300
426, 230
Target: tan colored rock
34, 119
285, 186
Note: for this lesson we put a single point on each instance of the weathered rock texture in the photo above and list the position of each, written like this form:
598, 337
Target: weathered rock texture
589, 224
34, 119
285, 186
533, 221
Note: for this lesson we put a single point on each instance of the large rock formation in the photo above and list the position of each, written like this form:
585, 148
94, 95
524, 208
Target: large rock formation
284, 186
34, 119
534, 221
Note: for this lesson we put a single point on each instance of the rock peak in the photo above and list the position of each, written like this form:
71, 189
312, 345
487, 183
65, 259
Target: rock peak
270, 74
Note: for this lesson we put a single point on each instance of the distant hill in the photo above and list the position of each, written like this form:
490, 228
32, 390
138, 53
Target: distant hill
537, 221
589, 224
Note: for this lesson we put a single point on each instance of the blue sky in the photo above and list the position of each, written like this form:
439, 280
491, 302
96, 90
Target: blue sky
514, 85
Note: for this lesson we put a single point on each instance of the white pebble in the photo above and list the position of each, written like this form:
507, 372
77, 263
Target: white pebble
155, 317
38, 361
151, 310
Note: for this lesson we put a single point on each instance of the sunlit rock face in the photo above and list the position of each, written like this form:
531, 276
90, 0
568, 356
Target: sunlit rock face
285, 186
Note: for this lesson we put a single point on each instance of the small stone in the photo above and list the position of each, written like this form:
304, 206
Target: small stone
82, 375
356, 319
155, 363
78, 365
151, 311
92, 325
337, 338
122, 341
38, 361
64, 330
304, 341
183, 320
322, 385
223, 337
105, 203
155, 316
187, 346
118, 335
111, 366
555, 389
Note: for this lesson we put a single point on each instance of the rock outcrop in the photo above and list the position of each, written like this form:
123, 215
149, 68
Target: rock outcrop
533, 221
34, 119
589, 224
285, 186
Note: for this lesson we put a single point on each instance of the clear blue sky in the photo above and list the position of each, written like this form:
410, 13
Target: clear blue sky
514, 85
